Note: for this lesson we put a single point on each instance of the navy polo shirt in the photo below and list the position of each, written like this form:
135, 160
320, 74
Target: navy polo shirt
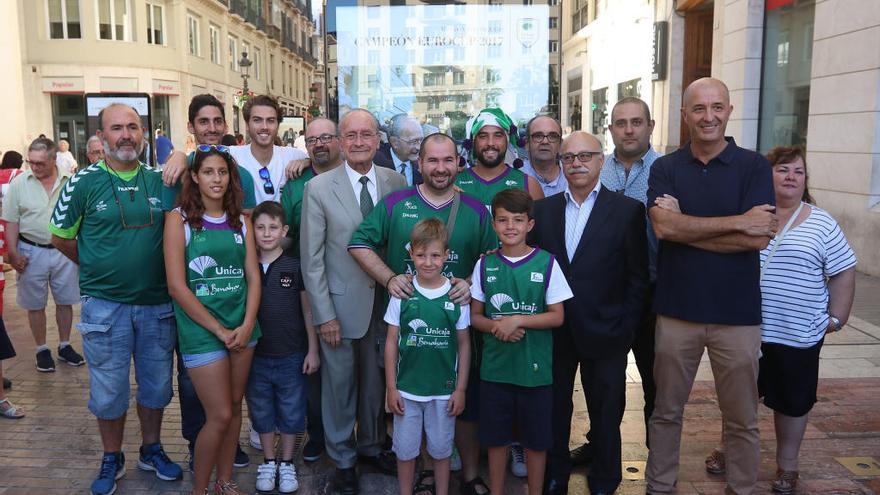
698, 285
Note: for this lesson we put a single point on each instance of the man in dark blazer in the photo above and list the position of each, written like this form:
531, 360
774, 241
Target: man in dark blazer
402, 153
599, 240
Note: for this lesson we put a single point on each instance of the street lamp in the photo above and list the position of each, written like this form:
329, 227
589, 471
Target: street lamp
245, 65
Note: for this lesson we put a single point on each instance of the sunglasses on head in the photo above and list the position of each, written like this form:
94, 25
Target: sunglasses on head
206, 148
268, 188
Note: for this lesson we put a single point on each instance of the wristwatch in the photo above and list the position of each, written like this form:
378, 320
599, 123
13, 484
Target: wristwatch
835, 323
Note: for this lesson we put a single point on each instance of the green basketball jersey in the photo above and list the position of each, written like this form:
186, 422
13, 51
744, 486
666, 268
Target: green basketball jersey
512, 289
291, 201
484, 190
215, 257
117, 221
427, 365
389, 225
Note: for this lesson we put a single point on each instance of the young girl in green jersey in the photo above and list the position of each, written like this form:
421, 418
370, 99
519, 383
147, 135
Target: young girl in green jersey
427, 338
214, 279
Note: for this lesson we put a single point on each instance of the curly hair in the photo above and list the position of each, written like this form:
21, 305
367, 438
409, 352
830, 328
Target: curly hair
190, 199
787, 154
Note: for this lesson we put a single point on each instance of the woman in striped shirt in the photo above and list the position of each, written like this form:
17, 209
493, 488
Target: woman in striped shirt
807, 289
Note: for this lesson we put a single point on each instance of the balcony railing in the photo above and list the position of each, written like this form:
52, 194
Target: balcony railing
238, 7
274, 32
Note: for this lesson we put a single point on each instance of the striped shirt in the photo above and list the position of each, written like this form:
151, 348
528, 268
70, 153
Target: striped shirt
794, 291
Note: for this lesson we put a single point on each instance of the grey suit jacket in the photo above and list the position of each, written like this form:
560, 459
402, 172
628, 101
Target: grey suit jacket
335, 283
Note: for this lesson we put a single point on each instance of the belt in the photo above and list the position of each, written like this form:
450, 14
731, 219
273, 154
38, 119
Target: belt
32, 243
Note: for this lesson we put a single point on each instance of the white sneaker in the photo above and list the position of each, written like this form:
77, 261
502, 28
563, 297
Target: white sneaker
255, 440
266, 473
455, 460
518, 461
287, 482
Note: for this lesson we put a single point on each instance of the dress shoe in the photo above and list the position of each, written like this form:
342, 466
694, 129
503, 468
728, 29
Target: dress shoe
385, 462
582, 455
344, 482
7, 383
555, 486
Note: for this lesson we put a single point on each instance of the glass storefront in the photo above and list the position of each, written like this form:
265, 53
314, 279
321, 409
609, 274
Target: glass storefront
785, 79
161, 114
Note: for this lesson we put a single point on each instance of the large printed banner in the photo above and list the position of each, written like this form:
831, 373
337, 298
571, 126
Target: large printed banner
442, 63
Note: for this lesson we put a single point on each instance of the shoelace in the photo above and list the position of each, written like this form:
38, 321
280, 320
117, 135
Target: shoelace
518, 454
108, 467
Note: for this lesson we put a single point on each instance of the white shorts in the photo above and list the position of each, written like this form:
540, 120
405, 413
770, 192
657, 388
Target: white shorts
430, 417
46, 268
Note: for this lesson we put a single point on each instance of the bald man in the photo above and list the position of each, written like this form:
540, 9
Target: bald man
708, 295
602, 248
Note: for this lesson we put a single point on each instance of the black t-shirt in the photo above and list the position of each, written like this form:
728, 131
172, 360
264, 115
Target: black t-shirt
281, 314
698, 285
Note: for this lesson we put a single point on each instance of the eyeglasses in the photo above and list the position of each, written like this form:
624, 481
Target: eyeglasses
411, 142
553, 137
131, 195
36, 164
268, 188
365, 136
206, 148
324, 138
583, 156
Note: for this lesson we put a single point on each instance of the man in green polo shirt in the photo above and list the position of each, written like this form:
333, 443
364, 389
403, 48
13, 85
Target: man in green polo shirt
109, 220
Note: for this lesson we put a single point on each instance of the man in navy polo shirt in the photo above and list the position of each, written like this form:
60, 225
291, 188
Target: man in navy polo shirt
707, 283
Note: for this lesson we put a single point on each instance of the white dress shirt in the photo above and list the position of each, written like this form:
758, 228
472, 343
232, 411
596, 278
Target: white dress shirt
576, 217
354, 177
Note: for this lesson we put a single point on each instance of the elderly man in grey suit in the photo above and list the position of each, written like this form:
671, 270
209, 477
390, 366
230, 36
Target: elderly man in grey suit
346, 306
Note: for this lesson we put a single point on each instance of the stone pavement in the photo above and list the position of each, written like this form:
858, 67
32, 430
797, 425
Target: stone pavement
56, 450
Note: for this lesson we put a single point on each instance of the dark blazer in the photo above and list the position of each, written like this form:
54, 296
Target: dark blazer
383, 159
608, 274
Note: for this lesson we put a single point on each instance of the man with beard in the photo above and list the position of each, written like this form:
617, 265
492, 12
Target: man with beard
109, 220
346, 305
544, 135
322, 143
489, 132
387, 229
598, 237
207, 122
404, 137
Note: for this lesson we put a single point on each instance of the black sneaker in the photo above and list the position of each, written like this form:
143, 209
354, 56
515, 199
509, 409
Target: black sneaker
241, 458
385, 462
70, 356
312, 451
7, 383
45, 363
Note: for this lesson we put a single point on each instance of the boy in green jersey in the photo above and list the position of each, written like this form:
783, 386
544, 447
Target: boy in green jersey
517, 296
427, 338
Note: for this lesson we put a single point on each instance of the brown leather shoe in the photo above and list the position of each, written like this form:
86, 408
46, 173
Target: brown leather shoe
716, 463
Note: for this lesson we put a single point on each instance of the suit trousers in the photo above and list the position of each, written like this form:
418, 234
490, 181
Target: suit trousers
604, 384
733, 353
353, 391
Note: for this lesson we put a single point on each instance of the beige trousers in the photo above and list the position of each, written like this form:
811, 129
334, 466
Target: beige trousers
733, 353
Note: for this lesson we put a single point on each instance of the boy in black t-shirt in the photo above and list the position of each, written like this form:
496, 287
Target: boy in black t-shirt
288, 350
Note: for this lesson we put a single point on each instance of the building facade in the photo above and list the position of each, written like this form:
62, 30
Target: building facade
800, 72
61, 49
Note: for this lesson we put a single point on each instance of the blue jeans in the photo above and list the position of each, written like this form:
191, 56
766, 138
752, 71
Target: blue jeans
112, 334
276, 394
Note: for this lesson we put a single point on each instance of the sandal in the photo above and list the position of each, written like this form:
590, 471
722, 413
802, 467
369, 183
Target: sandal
9, 410
785, 482
425, 483
475, 486
715, 463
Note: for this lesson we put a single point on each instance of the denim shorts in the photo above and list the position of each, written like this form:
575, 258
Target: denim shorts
276, 394
206, 358
112, 333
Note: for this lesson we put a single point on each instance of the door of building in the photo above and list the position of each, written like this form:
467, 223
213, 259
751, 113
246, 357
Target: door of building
68, 123
697, 48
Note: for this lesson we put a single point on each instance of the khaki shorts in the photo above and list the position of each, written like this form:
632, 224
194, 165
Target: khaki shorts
46, 268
